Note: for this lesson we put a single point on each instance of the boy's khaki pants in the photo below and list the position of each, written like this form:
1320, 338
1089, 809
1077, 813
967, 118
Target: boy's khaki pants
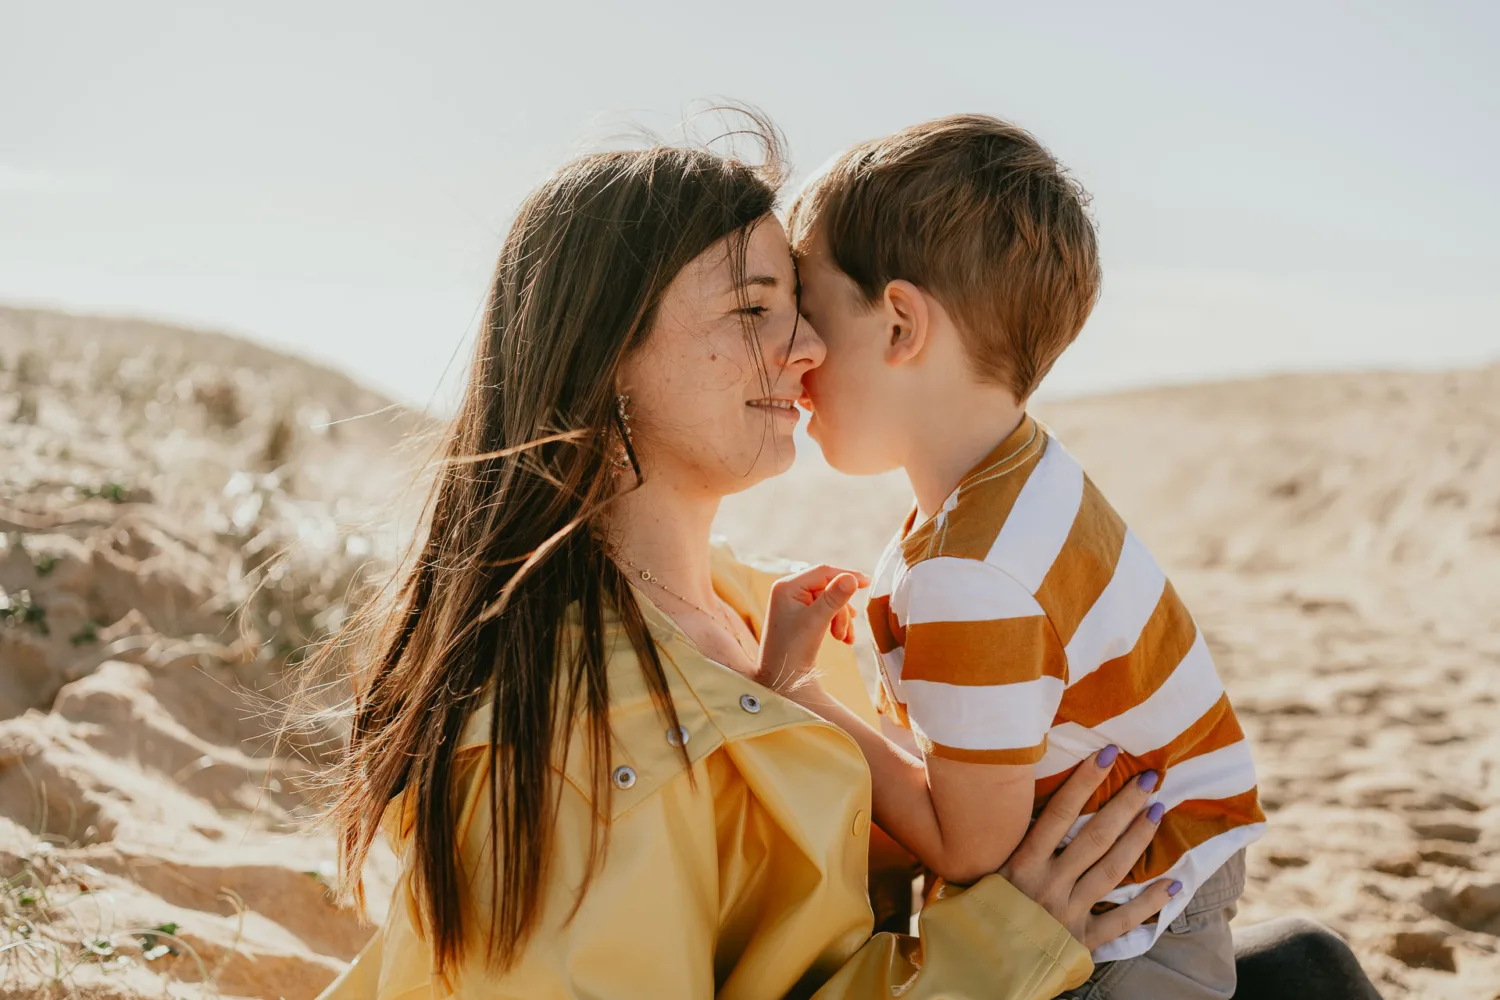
1192, 960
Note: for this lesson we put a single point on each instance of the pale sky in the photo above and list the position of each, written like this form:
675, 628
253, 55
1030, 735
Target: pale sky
1277, 185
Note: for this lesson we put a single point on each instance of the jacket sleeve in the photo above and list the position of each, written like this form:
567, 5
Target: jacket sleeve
987, 941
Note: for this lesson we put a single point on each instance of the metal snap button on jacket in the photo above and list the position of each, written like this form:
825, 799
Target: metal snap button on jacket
679, 736
624, 776
750, 703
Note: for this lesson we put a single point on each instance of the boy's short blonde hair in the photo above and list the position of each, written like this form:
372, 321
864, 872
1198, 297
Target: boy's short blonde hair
976, 212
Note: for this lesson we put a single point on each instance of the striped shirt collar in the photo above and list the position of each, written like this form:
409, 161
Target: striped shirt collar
1018, 447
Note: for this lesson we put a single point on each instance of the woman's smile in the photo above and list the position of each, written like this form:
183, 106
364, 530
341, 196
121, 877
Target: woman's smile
778, 406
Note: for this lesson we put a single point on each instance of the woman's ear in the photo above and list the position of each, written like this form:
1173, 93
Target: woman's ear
909, 322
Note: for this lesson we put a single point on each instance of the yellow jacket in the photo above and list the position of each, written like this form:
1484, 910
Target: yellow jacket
751, 886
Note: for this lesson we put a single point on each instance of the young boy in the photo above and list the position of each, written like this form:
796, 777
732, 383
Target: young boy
1020, 625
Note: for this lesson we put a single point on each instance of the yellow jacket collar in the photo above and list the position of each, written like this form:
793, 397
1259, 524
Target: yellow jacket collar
714, 703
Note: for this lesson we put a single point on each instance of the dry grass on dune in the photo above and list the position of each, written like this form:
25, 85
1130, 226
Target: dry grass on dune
181, 514
1337, 536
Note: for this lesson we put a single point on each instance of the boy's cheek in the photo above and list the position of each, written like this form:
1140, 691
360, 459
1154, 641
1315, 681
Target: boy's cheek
822, 397
837, 415
848, 396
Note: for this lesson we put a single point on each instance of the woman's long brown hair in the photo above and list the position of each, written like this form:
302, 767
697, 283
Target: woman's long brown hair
510, 539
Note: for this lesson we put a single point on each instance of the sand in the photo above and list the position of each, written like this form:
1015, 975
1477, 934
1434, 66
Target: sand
1337, 537
150, 842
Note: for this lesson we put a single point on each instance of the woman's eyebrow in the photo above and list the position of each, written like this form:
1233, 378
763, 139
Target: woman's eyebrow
768, 280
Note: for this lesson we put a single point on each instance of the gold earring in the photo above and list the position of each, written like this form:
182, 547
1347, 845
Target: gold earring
622, 410
622, 405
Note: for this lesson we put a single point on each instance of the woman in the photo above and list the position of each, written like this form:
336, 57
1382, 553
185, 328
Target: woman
559, 727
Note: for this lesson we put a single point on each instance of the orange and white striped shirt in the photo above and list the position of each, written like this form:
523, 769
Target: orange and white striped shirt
1025, 624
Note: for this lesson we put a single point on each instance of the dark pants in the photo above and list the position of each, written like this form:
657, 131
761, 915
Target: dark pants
1293, 958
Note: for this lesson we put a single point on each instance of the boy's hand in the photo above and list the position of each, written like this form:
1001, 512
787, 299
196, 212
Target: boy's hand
802, 608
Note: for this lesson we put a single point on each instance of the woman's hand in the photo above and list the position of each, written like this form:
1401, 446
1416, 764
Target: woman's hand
1069, 882
803, 607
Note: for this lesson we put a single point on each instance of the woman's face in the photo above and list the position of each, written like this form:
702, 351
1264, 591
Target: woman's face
705, 416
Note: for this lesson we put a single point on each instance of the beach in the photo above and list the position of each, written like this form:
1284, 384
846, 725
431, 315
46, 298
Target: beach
183, 513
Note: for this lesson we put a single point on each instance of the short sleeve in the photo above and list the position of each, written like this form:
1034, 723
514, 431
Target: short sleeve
982, 669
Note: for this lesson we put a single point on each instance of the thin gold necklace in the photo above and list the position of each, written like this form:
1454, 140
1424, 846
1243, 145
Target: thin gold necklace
649, 577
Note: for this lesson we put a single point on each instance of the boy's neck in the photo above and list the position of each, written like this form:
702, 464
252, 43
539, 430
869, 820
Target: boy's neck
953, 437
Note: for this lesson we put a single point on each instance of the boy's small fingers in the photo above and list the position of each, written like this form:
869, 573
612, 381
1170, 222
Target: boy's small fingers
791, 588
840, 590
819, 576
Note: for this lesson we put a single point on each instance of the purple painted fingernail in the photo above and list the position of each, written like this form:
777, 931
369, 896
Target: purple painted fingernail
1148, 781
1107, 756
1174, 888
1154, 814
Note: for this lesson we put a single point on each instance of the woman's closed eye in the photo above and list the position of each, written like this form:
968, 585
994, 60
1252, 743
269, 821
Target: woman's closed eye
755, 311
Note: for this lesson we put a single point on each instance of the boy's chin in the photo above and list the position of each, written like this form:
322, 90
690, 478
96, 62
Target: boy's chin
845, 459
815, 431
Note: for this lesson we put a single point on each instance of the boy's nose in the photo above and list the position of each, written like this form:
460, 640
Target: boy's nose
807, 347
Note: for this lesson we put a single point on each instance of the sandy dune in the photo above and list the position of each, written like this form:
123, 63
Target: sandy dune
151, 478
1337, 536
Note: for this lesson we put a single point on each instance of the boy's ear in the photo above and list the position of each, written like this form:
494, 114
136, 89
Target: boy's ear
908, 322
